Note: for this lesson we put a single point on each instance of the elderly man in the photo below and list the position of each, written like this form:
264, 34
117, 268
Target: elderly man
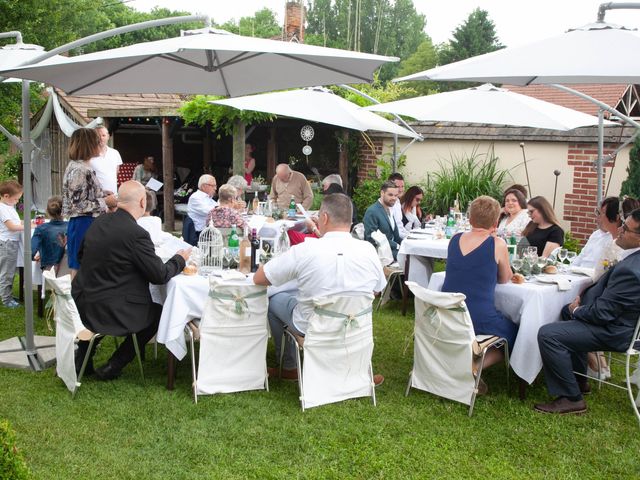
107, 163
379, 216
608, 220
201, 203
335, 264
111, 289
287, 183
333, 184
603, 318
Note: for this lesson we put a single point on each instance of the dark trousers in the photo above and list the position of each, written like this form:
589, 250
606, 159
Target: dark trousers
126, 351
564, 346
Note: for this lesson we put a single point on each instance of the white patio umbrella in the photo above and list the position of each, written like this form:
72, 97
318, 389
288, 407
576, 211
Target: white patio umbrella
594, 53
317, 105
15, 54
489, 104
205, 61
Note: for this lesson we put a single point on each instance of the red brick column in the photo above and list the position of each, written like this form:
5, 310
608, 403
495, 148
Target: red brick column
580, 204
369, 157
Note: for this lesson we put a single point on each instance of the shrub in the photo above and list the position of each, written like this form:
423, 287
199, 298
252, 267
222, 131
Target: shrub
468, 177
12, 465
10, 167
368, 190
571, 243
631, 186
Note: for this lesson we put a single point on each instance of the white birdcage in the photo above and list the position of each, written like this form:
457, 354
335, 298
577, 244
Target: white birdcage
282, 242
211, 249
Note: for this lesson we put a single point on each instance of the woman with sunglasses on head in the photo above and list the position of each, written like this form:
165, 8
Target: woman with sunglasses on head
543, 232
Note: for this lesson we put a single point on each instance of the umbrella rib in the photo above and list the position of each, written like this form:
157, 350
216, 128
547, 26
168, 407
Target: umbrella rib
175, 58
115, 72
324, 67
224, 80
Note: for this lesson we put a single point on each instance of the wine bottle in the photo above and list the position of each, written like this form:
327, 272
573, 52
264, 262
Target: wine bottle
256, 203
245, 252
255, 246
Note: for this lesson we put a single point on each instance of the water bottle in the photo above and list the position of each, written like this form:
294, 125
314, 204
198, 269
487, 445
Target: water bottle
234, 243
292, 207
449, 229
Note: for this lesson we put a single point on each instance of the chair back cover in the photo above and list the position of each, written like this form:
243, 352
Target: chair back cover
338, 347
443, 342
68, 325
233, 339
384, 249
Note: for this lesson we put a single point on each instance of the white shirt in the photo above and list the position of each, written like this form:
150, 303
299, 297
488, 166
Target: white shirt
593, 250
396, 213
515, 226
336, 264
153, 225
106, 168
198, 208
7, 212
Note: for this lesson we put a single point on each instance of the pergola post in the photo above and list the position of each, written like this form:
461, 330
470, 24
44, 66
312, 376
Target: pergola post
167, 175
343, 159
272, 153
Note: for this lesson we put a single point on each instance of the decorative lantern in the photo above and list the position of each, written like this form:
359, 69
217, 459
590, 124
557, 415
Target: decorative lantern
211, 250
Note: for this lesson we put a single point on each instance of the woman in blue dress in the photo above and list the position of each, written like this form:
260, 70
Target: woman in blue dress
476, 261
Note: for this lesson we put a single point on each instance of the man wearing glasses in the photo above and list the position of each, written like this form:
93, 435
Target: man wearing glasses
604, 318
201, 203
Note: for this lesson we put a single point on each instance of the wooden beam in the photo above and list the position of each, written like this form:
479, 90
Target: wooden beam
238, 147
272, 154
167, 175
343, 159
132, 112
206, 148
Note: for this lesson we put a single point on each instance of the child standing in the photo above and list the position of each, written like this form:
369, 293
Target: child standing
49, 239
11, 228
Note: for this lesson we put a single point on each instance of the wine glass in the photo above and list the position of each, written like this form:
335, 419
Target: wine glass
235, 255
571, 256
562, 256
228, 255
516, 263
542, 262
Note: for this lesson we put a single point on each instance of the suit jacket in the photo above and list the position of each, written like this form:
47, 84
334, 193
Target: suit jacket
614, 301
117, 263
376, 218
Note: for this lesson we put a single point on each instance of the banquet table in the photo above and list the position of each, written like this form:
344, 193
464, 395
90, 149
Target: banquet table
417, 252
530, 305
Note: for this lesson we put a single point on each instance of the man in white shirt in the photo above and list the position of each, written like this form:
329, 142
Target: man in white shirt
396, 210
107, 163
335, 264
201, 203
608, 220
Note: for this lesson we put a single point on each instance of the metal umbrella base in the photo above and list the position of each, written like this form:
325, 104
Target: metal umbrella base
14, 354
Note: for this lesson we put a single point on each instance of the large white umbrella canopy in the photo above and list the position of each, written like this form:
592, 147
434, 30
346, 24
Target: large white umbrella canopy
488, 104
317, 105
16, 54
595, 53
205, 61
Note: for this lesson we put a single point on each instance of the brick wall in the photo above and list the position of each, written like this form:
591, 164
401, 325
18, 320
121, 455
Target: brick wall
369, 157
580, 204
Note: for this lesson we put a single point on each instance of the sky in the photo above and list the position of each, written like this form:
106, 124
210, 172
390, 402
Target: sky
517, 21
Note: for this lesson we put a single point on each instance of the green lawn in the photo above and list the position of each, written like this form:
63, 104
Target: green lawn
123, 430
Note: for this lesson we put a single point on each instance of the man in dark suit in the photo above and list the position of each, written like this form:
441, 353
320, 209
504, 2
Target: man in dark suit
111, 289
603, 319
380, 217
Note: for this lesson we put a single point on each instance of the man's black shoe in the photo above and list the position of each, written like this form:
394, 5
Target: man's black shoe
88, 370
108, 372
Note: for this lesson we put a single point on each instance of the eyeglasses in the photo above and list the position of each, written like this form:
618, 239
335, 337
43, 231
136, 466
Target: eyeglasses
211, 185
625, 228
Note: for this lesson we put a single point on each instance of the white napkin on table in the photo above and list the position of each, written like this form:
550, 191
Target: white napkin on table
562, 282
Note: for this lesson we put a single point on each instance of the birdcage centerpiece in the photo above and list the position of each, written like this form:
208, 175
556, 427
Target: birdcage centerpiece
282, 243
211, 250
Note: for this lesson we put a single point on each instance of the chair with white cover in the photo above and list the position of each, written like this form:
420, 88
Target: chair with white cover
445, 345
337, 348
233, 335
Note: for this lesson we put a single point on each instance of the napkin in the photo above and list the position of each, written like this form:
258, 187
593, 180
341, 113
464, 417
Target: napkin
589, 272
562, 282
232, 275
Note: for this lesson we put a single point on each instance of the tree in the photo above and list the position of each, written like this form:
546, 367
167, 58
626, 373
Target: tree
477, 35
263, 24
424, 58
631, 186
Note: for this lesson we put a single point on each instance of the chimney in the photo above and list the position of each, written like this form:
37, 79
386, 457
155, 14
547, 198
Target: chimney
294, 21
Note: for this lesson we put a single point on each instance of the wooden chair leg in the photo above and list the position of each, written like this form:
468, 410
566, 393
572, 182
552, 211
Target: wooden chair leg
171, 370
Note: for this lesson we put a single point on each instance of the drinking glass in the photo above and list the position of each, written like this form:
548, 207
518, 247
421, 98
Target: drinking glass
571, 256
516, 263
226, 253
542, 262
235, 255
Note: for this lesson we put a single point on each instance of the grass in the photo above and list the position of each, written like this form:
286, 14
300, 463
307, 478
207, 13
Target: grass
124, 430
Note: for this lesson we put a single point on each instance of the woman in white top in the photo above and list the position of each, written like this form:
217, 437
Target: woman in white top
514, 218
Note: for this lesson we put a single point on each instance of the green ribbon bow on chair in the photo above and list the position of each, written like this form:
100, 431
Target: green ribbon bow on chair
349, 318
240, 301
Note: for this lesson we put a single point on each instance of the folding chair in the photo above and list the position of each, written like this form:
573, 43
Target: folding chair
633, 351
395, 276
69, 330
445, 345
233, 340
337, 352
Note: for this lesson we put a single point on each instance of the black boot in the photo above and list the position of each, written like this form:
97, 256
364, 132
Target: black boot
81, 352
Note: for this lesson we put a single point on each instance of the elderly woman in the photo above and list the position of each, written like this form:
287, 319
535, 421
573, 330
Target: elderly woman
543, 232
83, 198
410, 205
476, 262
515, 216
240, 184
145, 171
224, 215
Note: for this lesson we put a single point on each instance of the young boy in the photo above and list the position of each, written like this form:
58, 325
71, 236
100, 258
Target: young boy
11, 228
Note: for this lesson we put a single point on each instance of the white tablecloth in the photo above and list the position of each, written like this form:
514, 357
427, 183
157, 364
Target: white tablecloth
420, 252
530, 305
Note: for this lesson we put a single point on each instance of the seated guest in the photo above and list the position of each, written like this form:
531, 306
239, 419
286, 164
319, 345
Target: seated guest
476, 262
515, 217
608, 222
521, 188
333, 184
602, 318
398, 180
287, 183
379, 216
49, 239
336, 264
410, 205
543, 232
153, 224
240, 184
224, 215
145, 171
201, 203
111, 289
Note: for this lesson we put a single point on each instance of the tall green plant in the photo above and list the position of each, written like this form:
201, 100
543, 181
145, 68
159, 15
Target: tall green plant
631, 185
368, 190
467, 177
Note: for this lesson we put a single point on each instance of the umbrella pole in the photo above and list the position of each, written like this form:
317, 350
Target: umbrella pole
599, 161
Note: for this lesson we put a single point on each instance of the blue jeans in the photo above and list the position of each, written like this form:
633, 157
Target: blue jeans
280, 315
